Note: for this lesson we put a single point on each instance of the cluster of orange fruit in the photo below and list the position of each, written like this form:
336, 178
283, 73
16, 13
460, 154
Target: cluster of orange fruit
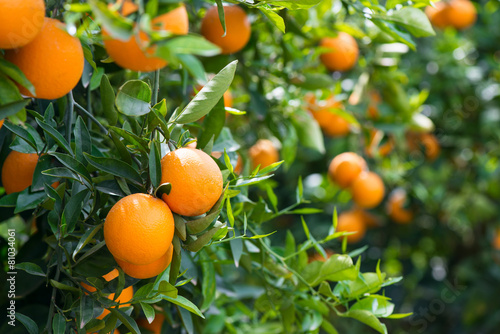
349, 171
357, 220
136, 54
50, 58
139, 228
459, 14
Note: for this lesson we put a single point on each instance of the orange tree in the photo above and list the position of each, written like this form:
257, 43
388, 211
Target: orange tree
118, 133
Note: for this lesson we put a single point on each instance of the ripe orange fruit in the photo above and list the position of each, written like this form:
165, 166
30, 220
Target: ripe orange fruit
155, 326
124, 296
135, 54
195, 178
460, 14
139, 229
332, 124
345, 168
147, 270
17, 171
58, 64
429, 142
351, 222
395, 207
437, 15
344, 52
367, 190
20, 21
263, 153
237, 28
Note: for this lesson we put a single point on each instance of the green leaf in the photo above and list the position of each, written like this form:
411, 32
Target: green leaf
414, 20
73, 165
121, 148
108, 101
272, 197
56, 135
149, 311
273, 17
31, 268
28, 323
167, 289
222, 15
22, 133
193, 65
13, 72
12, 108
399, 315
114, 167
133, 98
367, 318
378, 305
117, 26
184, 303
187, 320
28, 200
365, 283
96, 79
188, 44
213, 124
86, 310
58, 324
73, 209
83, 140
208, 96
126, 320
293, 4
141, 143
208, 285
313, 81
85, 239
309, 132
62, 286
9, 200
154, 164
336, 268
204, 239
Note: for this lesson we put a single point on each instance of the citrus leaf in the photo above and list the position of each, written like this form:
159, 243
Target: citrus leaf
31, 268
114, 167
108, 101
183, 302
133, 98
27, 322
208, 96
